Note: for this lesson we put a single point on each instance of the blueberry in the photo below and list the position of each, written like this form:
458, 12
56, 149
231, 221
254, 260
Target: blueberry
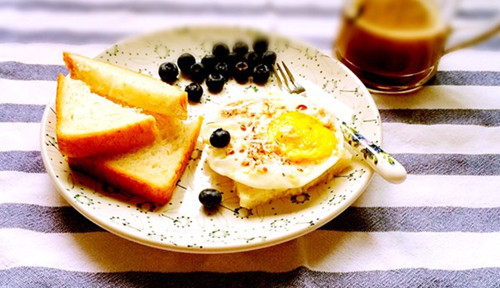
240, 48
269, 58
197, 73
185, 61
209, 62
215, 82
223, 69
260, 45
194, 91
261, 74
210, 198
231, 60
220, 138
252, 59
168, 72
241, 72
220, 50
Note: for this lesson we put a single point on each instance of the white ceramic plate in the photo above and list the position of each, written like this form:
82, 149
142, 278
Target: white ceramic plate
183, 225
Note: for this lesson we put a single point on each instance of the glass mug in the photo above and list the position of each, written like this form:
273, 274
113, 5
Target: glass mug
394, 46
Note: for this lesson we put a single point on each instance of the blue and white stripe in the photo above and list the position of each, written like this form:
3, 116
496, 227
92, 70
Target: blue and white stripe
440, 228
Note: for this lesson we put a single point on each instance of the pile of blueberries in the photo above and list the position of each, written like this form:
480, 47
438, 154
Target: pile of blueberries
239, 63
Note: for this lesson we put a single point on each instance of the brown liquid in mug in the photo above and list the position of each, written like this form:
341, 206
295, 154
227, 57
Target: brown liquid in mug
392, 44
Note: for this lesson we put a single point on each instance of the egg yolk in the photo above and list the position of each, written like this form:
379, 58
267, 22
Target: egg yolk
301, 137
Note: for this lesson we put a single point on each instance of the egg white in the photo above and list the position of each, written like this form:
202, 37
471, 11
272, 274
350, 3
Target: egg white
248, 158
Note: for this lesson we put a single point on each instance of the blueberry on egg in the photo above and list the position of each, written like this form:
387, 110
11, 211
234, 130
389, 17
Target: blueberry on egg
220, 138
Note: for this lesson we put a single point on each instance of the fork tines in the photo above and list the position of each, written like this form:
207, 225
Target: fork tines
286, 80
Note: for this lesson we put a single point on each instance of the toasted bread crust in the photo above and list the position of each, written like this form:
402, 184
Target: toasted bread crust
105, 170
112, 141
117, 140
144, 91
121, 179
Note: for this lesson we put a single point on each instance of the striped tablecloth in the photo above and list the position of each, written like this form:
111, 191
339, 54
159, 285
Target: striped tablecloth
440, 228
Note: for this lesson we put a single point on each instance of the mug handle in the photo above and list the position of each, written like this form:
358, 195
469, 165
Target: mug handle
460, 39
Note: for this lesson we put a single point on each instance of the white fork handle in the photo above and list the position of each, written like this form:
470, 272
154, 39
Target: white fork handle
383, 163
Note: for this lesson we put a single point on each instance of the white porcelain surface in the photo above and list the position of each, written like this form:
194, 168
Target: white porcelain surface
183, 225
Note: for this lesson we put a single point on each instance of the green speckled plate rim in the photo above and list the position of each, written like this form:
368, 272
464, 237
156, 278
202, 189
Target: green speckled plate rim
60, 175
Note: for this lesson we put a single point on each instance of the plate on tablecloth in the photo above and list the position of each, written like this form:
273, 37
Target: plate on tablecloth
182, 224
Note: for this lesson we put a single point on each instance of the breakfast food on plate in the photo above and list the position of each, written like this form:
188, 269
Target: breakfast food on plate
271, 145
210, 198
168, 72
194, 91
88, 124
250, 197
127, 86
220, 66
279, 145
144, 154
151, 172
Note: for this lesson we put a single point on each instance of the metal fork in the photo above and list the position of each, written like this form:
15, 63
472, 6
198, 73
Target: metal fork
381, 162
285, 79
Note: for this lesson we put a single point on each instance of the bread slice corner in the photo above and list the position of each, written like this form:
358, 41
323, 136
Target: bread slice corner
88, 124
151, 172
127, 86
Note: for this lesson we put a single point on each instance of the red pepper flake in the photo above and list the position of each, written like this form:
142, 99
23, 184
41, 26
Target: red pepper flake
231, 152
243, 127
241, 150
301, 107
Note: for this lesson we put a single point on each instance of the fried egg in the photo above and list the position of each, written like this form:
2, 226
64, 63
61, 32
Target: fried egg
278, 141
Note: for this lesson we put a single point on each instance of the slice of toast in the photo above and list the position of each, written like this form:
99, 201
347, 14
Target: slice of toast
88, 124
128, 87
151, 172
251, 197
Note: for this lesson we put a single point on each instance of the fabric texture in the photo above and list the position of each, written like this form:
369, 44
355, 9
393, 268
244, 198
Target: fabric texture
440, 228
